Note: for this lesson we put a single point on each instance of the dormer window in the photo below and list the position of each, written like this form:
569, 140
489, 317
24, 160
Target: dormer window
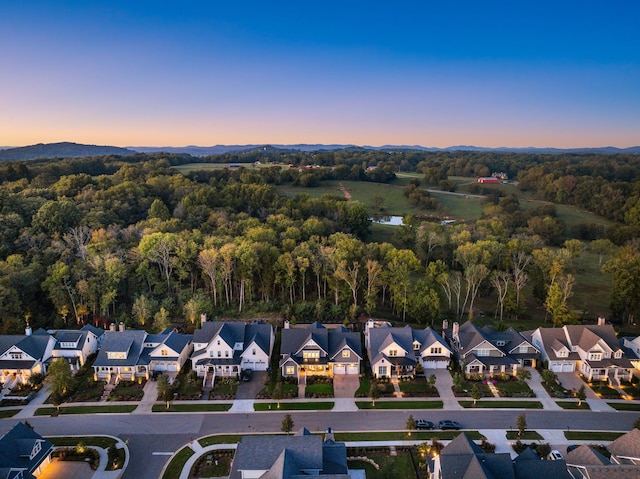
346, 353
36, 449
393, 352
617, 354
500, 343
595, 356
165, 352
416, 345
16, 355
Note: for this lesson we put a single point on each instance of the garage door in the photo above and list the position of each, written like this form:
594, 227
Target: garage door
430, 365
556, 367
172, 367
353, 369
567, 368
160, 367
339, 369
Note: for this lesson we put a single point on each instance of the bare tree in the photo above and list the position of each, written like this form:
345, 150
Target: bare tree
500, 281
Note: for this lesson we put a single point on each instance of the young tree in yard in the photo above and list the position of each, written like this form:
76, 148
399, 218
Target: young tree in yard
287, 424
276, 394
476, 393
581, 394
410, 425
521, 424
431, 381
165, 389
374, 392
59, 377
523, 375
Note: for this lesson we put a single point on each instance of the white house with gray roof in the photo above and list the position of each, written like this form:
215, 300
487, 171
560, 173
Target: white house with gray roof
131, 354
24, 454
22, 355
292, 457
76, 345
316, 350
488, 351
224, 349
396, 351
593, 350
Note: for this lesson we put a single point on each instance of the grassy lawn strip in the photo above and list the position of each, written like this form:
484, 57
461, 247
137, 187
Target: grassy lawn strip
527, 435
220, 439
396, 466
592, 435
572, 405
122, 408
502, 404
177, 463
97, 441
318, 390
625, 406
293, 406
191, 407
400, 405
8, 413
403, 435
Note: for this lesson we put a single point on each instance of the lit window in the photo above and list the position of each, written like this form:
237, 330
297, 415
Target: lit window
289, 371
310, 354
393, 352
523, 349
346, 353
165, 352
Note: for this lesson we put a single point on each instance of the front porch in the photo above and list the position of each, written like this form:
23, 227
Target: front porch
491, 368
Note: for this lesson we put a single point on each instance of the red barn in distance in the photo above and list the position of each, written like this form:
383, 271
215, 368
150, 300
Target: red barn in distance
489, 179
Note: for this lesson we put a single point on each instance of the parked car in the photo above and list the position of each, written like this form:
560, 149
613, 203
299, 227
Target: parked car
449, 424
572, 447
555, 455
424, 424
246, 374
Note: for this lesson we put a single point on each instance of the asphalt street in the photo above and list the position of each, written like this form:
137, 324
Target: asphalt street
152, 437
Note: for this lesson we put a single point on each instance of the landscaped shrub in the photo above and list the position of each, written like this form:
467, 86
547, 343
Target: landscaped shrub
79, 453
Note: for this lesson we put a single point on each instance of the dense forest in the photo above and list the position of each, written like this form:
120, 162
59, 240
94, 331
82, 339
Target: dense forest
129, 238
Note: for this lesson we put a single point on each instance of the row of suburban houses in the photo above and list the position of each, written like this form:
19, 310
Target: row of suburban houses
226, 348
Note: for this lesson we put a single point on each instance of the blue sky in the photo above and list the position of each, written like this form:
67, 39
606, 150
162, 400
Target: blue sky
493, 73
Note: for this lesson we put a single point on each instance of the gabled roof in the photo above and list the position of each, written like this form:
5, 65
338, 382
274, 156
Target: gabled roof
35, 345
464, 459
627, 445
340, 338
231, 332
89, 327
428, 337
586, 336
528, 465
260, 334
585, 455
331, 341
16, 447
130, 341
69, 336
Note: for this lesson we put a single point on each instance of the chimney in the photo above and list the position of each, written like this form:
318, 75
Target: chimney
286, 324
112, 327
456, 329
601, 321
28, 331
370, 324
203, 318
445, 324
121, 327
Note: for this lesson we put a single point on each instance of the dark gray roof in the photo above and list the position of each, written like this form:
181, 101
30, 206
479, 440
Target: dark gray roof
69, 336
528, 465
129, 341
16, 446
234, 332
35, 345
463, 459
334, 457
89, 327
380, 338
331, 341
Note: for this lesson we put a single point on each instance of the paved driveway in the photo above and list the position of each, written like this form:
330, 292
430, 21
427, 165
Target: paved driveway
66, 470
345, 385
249, 389
572, 381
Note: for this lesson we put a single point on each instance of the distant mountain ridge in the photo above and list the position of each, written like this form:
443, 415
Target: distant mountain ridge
60, 150
74, 150
222, 149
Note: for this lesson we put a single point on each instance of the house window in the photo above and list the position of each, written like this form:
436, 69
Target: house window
436, 350
500, 343
219, 354
226, 354
218, 342
165, 352
210, 354
311, 354
523, 349
289, 371
36, 449
595, 356
482, 352
416, 345
346, 353
382, 370
16, 355
393, 352
617, 354
253, 351
563, 353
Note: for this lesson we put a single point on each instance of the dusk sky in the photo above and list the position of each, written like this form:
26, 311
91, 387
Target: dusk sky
486, 73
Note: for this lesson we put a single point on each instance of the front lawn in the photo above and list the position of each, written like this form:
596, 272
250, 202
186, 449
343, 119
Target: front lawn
293, 406
388, 466
399, 405
503, 404
191, 407
213, 464
462, 388
365, 385
417, 387
602, 389
224, 389
189, 387
514, 388
402, 435
177, 463
631, 389
5, 413
592, 435
526, 435
127, 391
573, 405
318, 387
625, 406
113, 409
